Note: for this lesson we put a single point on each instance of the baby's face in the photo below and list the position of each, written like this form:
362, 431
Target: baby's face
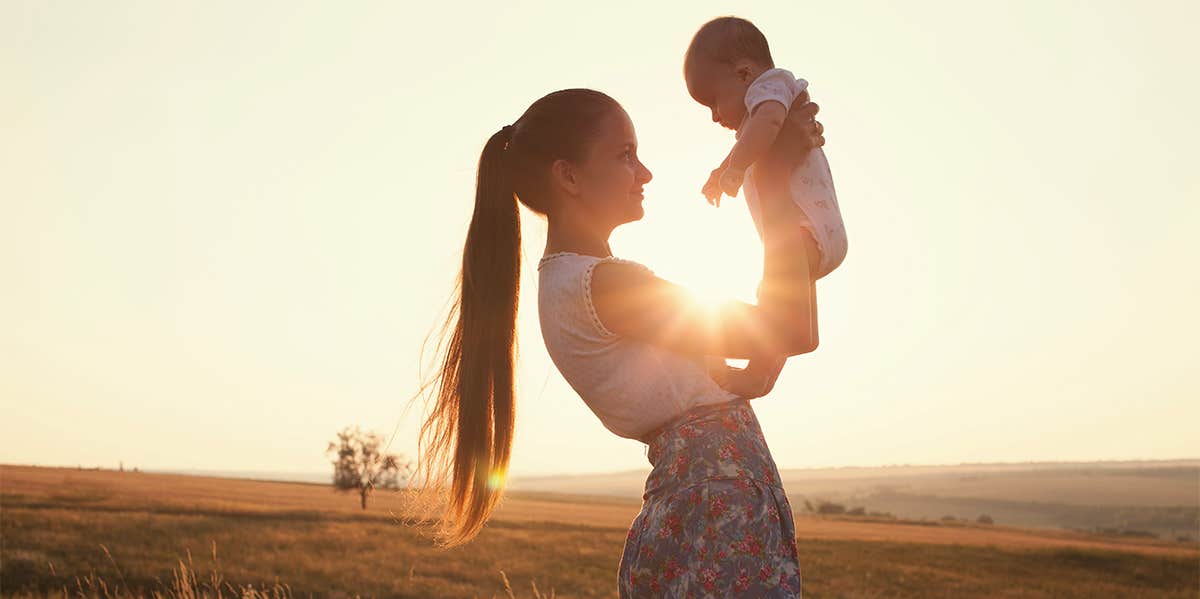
719, 88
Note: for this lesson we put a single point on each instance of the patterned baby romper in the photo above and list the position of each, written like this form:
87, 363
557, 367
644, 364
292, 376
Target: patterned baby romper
715, 521
810, 184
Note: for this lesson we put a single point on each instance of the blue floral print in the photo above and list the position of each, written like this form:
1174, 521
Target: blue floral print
715, 521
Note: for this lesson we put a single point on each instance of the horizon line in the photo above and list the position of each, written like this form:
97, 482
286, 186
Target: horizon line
247, 474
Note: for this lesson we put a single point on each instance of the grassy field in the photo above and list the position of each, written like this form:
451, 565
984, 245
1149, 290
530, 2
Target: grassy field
61, 526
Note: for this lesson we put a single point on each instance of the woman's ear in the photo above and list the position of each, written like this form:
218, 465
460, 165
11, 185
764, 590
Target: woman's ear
562, 172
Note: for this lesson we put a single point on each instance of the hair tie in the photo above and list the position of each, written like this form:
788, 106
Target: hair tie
507, 132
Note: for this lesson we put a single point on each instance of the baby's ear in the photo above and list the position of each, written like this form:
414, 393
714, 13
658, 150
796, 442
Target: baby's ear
744, 69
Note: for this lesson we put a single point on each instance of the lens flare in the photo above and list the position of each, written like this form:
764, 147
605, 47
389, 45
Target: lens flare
496, 479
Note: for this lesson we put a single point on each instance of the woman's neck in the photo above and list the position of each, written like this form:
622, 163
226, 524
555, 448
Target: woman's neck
577, 236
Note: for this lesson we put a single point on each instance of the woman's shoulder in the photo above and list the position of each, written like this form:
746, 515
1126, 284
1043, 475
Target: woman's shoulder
617, 275
587, 285
591, 276
570, 262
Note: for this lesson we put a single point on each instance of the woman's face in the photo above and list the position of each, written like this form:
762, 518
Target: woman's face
610, 177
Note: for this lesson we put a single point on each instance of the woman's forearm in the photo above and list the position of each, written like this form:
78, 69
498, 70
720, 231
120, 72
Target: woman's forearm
787, 297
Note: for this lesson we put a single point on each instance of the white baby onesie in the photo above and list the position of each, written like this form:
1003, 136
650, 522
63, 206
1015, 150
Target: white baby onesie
810, 182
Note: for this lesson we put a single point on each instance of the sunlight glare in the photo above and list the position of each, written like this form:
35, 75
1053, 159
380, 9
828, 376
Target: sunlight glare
496, 479
714, 253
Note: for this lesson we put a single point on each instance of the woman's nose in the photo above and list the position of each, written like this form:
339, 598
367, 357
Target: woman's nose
644, 174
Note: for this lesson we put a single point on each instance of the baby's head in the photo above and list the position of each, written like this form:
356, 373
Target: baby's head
726, 55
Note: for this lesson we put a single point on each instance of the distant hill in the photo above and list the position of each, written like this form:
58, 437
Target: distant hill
1157, 497
840, 481
320, 478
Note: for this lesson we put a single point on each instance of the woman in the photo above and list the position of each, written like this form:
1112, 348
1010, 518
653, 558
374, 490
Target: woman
714, 519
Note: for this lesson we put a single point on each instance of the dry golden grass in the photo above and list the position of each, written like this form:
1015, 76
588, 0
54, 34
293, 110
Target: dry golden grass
130, 531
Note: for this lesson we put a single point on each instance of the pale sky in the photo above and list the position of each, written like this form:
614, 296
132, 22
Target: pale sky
228, 226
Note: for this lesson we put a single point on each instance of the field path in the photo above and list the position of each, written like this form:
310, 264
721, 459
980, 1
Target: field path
987, 536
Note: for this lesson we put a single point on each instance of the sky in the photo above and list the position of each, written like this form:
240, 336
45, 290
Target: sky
226, 228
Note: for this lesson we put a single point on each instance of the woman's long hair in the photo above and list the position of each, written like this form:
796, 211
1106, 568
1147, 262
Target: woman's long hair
466, 439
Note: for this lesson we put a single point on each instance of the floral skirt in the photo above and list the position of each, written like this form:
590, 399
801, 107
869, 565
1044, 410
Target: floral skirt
715, 521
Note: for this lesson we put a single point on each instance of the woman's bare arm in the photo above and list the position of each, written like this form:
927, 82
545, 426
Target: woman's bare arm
634, 303
783, 245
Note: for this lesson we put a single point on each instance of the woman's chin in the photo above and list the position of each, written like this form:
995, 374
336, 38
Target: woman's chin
637, 213
630, 212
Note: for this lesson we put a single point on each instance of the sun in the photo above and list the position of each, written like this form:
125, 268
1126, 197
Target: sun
714, 253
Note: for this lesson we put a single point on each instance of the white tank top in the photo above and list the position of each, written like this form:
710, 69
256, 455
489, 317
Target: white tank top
633, 387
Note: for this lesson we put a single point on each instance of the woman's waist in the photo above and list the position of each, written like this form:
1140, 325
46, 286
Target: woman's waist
699, 412
710, 441
643, 413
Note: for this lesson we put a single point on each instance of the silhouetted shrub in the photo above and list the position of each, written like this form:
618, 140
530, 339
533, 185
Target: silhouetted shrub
985, 519
1139, 533
361, 464
826, 507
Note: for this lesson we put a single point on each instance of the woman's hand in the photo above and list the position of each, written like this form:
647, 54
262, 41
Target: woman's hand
801, 132
802, 119
745, 384
755, 380
766, 369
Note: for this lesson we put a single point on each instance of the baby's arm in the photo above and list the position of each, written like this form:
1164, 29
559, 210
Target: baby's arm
712, 188
758, 134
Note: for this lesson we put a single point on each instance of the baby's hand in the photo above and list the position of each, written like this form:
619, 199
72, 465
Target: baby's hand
731, 181
712, 189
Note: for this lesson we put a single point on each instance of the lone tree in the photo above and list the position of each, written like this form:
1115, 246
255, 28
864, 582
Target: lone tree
361, 466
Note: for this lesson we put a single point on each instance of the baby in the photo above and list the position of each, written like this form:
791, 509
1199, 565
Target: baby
728, 69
